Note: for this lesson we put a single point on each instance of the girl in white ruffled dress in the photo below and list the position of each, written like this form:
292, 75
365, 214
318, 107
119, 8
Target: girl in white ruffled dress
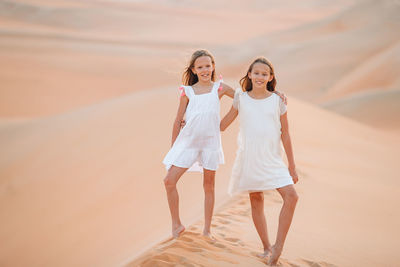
259, 165
198, 144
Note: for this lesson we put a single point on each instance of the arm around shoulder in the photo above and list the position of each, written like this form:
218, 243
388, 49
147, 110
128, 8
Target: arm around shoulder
227, 90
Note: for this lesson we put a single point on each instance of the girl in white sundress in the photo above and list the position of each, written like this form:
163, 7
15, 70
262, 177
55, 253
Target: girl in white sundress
198, 143
259, 165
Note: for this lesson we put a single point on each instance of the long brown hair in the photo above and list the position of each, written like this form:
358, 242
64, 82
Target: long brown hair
189, 78
245, 82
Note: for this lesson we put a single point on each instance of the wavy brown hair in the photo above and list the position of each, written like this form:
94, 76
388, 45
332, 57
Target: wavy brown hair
245, 82
189, 78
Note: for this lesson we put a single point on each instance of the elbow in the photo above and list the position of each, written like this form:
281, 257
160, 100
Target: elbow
177, 124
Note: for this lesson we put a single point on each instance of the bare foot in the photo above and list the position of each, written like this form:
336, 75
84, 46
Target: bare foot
266, 254
274, 257
176, 231
209, 237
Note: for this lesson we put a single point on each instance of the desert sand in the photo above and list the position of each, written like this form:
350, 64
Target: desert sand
88, 97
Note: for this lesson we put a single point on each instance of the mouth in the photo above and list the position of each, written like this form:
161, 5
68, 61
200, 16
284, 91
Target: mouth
259, 83
205, 75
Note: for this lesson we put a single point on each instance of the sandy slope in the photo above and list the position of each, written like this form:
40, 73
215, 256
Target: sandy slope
61, 55
87, 186
380, 109
352, 52
346, 215
82, 186
89, 183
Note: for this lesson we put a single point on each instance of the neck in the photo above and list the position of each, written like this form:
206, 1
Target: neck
204, 83
260, 91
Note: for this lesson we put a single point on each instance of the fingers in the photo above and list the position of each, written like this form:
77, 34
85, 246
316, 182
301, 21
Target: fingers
284, 99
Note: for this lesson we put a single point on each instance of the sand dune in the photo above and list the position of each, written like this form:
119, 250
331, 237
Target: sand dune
353, 51
325, 54
88, 174
379, 109
103, 49
87, 177
228, 250
191, 249
88, 97
370, 93
344, 204
376, 73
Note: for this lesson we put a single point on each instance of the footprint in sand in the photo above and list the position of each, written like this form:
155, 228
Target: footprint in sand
222, 215
222, 228
192, 265
232, 239
186, 239
193, 228
224, 221
180, 244
303, 263
156, 263
317, 264
168, 257
242, 203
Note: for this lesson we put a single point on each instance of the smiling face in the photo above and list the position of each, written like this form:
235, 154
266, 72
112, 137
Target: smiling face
203, 68
260, 75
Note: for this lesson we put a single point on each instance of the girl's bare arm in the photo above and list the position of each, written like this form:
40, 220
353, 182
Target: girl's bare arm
229, 91
226, 90
228, 119
287, 144
183, 102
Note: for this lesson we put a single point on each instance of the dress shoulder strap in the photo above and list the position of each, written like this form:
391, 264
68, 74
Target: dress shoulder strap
218, 84
186, 90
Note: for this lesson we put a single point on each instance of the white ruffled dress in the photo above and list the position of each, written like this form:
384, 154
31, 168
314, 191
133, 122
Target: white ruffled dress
259, 165
198, 144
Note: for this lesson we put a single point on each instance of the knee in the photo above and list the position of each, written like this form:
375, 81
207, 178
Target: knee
169, 182
291, 197
256, 197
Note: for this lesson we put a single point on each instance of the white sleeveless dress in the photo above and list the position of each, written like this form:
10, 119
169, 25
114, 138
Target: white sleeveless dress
198, 144
259, 165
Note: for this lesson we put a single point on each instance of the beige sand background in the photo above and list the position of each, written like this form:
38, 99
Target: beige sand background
87, 99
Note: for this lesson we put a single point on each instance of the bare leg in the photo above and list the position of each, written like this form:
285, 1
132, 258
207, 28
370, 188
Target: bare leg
257, 212
209, 199
290, 198
173, 175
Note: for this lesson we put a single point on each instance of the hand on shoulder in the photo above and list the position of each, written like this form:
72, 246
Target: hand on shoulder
282, 96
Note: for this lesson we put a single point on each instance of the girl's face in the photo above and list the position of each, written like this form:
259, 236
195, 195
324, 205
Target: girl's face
260, 75
203, 68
